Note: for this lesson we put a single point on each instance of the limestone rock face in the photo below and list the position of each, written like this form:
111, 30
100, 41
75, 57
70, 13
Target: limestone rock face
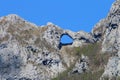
30, 52
99, 30
111, 40
111, 37
53, 35
82, 65
113, 67
24, 54
33, 53
82, 38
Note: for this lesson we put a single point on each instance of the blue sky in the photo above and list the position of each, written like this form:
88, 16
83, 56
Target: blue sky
75, 15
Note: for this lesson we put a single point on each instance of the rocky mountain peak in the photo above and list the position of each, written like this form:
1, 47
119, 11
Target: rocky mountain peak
11, 18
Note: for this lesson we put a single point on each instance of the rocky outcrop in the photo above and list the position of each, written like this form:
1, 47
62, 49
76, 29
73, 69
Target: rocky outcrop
111, 37
29, 52
24, 53
99, 30
111, 41
30, 62
53, 35
82, 65
112, 69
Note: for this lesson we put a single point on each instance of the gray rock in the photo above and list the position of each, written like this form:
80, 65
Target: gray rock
82, 65
29, 52
111, 41
112, 69
111, 36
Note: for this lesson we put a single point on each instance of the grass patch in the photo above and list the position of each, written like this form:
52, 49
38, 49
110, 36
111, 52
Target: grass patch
96, 63
93, 51
84, 76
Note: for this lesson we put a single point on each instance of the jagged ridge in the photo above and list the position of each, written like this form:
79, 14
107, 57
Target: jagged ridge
29, 52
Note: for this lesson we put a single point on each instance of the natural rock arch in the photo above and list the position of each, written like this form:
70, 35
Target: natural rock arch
65, 44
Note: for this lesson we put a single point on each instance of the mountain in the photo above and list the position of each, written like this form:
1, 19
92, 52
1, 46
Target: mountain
31, 52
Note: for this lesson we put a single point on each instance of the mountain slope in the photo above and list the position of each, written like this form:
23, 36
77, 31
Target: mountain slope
30, 52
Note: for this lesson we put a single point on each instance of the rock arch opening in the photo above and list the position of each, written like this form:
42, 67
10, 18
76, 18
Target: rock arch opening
65, 40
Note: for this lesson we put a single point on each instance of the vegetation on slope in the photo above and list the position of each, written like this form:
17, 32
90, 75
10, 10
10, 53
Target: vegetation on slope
96, 63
